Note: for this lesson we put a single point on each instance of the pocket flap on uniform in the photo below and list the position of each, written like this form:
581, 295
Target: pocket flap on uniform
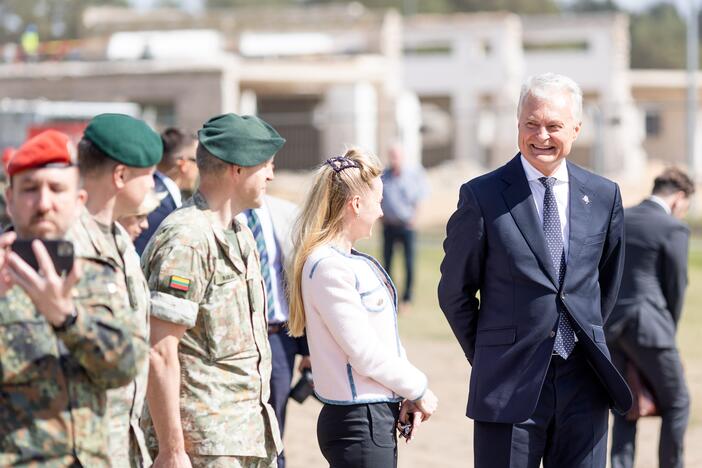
496, 336
598, 334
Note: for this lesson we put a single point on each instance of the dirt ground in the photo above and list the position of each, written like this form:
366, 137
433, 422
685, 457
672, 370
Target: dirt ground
446, 440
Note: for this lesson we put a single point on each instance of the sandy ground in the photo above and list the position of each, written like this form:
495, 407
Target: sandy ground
446, 440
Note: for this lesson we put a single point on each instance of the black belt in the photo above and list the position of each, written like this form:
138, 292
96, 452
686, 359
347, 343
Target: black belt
277, 327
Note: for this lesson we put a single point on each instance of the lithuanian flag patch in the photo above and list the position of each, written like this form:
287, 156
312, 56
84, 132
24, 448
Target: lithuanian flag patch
179, 283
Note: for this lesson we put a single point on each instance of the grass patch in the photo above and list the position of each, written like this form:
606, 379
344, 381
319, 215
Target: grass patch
427, 322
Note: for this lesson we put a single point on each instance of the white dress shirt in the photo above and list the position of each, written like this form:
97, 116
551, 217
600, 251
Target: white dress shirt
275, 265
560, 191
172, 188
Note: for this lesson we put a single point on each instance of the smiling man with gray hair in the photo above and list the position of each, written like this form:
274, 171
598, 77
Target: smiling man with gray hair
541, 240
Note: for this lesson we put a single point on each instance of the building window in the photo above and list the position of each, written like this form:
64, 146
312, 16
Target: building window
653, 123
429, 48
556, 46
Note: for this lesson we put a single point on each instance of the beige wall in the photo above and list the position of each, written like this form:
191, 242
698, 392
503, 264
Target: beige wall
669, 144
196, 94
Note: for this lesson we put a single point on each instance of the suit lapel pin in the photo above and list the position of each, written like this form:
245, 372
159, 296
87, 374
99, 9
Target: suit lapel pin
586, 199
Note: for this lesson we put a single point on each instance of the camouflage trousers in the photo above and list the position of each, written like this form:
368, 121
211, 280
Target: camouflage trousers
213, 461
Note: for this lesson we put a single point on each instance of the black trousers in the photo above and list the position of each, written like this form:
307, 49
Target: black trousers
568, 428
662, 369
391, 235
359, 436
283, 351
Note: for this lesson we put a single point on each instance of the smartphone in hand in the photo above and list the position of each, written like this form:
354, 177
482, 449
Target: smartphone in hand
404, 429
60, 251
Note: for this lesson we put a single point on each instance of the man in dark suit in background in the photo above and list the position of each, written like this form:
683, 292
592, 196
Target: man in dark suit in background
176, 175
271, 226
642, 327
541, 239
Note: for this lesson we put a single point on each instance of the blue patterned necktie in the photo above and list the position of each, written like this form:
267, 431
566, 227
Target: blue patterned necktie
565, 337
254, 224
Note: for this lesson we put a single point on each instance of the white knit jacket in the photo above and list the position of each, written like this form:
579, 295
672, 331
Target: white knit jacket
351, 322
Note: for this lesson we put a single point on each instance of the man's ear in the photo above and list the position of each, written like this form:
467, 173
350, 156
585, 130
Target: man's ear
677, 198
119, 176
235, 171
82, 196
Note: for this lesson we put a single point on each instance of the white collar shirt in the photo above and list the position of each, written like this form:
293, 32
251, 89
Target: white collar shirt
275, 266
560, 191
172, 188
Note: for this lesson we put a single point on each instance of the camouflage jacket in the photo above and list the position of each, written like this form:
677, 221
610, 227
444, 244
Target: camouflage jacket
125, 405
4, 216
53, 383
209, 279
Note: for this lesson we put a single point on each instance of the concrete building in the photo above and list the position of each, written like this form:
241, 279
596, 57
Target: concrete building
325, 78
593, 50
661, 96
472, 67
168, 91
466, 70
331, 77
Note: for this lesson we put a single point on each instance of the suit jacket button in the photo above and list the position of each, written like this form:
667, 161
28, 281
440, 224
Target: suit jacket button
552, 334
563, 296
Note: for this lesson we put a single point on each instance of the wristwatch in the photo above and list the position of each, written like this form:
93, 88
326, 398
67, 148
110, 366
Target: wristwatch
70, 320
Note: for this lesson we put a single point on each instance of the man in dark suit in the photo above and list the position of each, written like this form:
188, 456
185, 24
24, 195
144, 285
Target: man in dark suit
175, 175
541, 239
642, 327
271, 226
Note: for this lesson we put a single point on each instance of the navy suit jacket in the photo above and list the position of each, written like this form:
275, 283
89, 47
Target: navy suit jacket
653, 289
155, 218
495, 246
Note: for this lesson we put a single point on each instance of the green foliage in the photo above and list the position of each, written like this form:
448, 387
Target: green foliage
515, 6
592, 5
417, 6
57, 19
252, 3
657, 34
658, 38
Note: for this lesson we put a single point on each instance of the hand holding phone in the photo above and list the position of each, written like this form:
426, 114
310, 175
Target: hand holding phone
409, 420
50, 293
405, 429
60, 251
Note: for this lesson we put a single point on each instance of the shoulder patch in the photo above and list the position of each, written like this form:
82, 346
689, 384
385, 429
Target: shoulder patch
180, 283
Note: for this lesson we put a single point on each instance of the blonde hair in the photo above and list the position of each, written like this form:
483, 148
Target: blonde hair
322, 215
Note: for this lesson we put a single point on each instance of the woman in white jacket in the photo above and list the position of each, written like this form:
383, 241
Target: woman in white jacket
347, 305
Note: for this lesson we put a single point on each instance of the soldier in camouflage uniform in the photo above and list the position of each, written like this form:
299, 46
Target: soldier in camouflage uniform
4, 217
116, 157
211, 360
63, 340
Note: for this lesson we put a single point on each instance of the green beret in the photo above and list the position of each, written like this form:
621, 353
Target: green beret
244, 141
125, 139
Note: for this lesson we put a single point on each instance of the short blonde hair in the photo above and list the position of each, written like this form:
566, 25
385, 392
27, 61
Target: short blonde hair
322, 215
